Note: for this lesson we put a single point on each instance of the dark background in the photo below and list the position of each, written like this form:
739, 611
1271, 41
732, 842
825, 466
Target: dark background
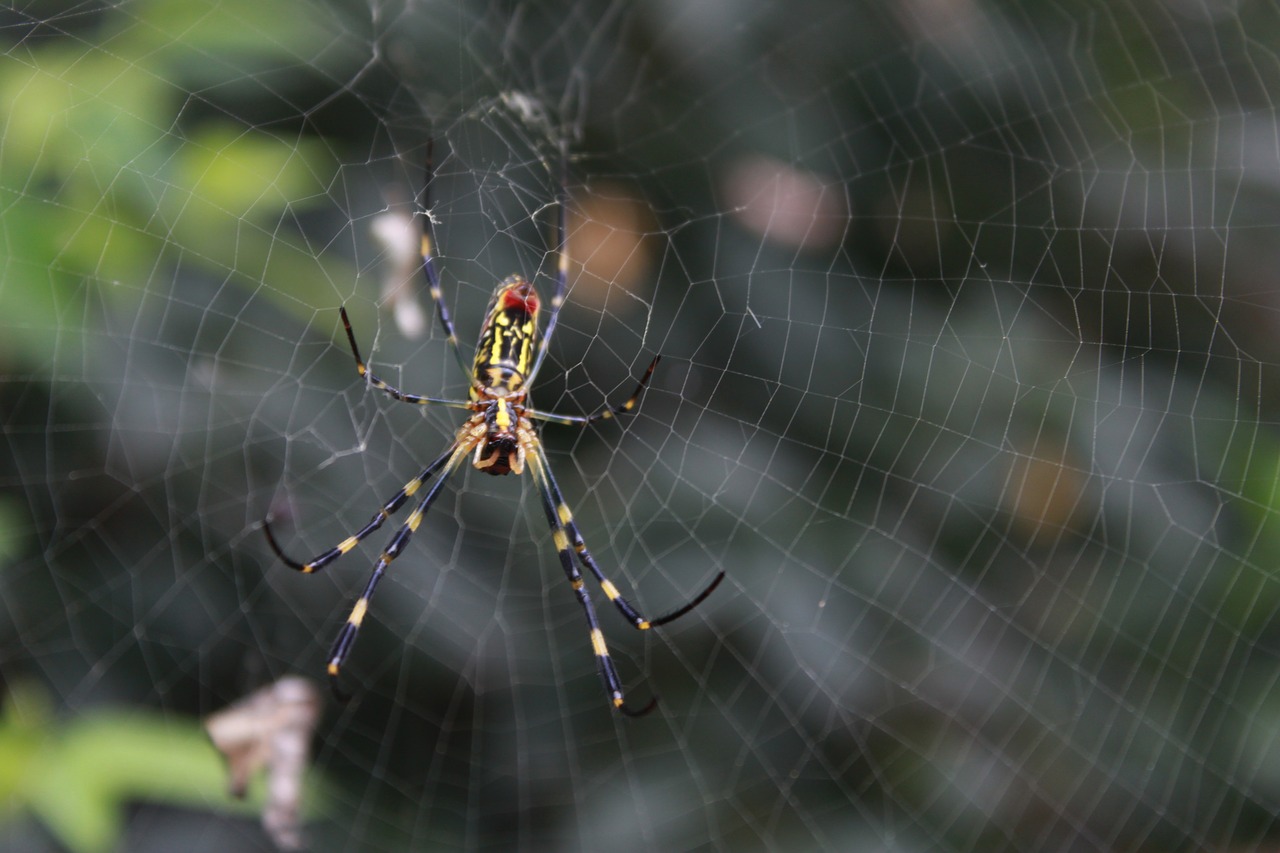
987, 447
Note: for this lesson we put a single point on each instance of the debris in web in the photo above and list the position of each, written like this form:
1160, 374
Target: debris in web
271, 729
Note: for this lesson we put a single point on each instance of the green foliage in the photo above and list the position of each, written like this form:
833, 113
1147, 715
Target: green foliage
78, 775
102, 172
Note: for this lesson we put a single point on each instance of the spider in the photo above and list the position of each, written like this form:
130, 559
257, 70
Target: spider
499, 437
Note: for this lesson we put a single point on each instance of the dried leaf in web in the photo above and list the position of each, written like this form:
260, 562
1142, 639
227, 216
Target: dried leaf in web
270, 729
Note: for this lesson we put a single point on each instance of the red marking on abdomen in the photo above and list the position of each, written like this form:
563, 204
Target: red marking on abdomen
522, 298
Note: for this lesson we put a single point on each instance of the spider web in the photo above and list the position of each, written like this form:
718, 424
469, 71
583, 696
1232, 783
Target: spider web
968, 384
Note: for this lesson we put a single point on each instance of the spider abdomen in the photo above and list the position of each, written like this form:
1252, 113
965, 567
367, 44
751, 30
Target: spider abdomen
508, 339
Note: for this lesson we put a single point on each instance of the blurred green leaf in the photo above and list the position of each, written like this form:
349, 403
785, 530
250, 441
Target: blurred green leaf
77, 776
98, 177
237, 174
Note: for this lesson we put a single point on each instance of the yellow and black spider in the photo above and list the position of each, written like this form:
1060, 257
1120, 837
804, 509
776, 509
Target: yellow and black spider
499, 438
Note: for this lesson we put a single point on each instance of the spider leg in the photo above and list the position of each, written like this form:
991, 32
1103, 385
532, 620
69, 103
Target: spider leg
565, 519
427, 250
604, 663
347, 636
561, 242
397, 500
605, 413
395, 393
